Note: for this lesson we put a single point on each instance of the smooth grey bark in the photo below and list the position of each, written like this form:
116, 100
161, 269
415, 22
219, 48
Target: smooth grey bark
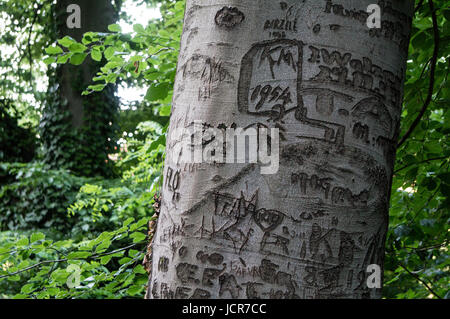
312, 229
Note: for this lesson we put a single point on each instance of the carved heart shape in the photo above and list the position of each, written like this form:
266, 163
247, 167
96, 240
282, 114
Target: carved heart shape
268, 219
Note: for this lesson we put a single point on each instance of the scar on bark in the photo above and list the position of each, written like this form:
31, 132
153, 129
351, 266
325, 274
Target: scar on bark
229, 17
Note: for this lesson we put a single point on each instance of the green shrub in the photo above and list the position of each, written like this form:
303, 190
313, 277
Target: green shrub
37, 198
17, 144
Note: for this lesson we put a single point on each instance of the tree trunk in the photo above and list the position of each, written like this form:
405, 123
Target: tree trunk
333, 87
82, 140
95, 17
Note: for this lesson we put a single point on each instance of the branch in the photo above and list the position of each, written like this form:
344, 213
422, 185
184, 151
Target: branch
445, 243
33, 266
432, 73
65, 259
420, 280
414, 250
419, 5
30, 32
424, 161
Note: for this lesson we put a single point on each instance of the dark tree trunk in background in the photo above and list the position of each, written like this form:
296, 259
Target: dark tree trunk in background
79, 131
312, 229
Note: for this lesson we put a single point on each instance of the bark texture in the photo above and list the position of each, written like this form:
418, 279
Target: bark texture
333, 87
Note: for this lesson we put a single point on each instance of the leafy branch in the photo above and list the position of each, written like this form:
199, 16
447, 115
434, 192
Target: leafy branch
434, 60
421, 162
67, 259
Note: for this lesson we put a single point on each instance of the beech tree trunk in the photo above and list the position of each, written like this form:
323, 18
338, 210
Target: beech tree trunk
333, 87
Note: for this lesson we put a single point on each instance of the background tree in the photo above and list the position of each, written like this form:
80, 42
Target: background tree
78, 132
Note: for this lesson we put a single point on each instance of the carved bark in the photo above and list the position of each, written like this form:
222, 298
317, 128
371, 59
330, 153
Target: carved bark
333, 87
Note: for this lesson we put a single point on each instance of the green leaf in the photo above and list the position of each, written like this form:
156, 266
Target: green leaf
53, 50
165, 110
79, 255
124, 260
160, 141
50, 60
138, 237
135, 289
97, 87
103, 246
143, 221
22, 242
60, 276
128, 221
109, 53
157, 92
114, 28
138, 28
62, 59
96, 55
27, 288
78, 58
105, 259
66, 41
139, 269
37, 236
77, 47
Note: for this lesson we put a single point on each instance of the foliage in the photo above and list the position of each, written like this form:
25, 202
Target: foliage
139, 114
34, 266
417, 257
46, 268
83, 150
17, 144
98, 206
23, 33
36, 197
149, 53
